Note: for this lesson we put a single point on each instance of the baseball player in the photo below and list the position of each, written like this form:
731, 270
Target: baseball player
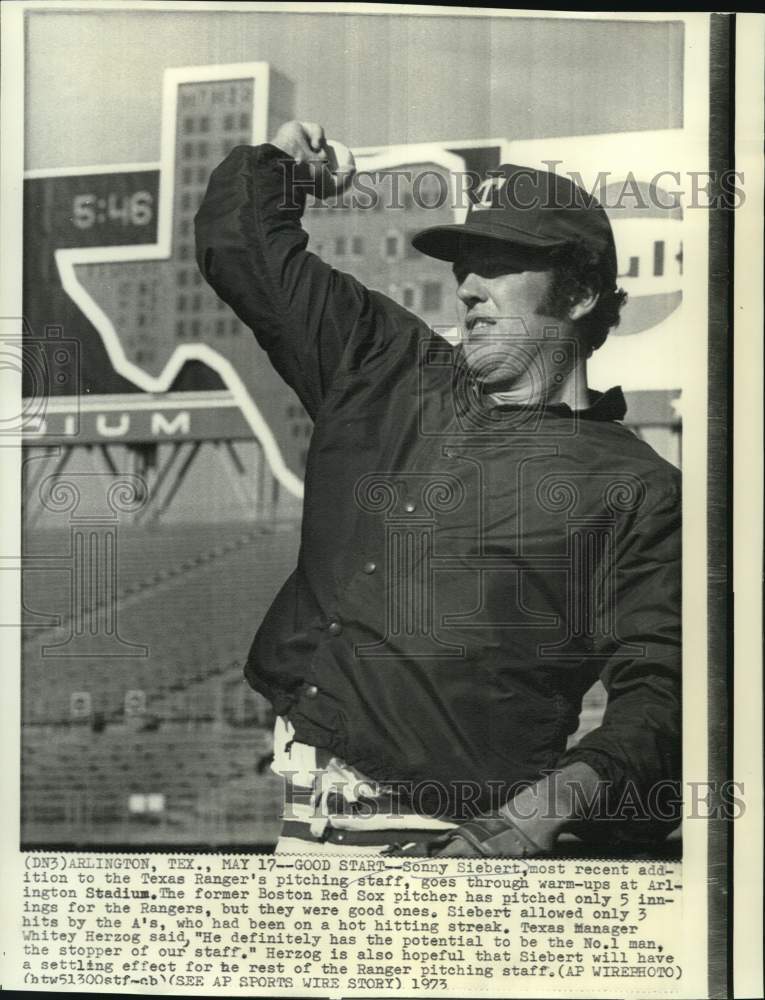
482, 537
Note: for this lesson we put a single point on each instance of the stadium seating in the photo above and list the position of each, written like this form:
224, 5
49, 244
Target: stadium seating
161, 747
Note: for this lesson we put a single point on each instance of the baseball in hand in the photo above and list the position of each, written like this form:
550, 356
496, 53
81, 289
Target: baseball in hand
331, 163
338, 170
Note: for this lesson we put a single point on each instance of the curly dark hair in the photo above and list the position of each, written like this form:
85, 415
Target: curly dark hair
580, 270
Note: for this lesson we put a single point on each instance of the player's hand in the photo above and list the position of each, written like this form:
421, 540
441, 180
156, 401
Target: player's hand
489, 836
493, 836
530, 823
331, 164
526, 826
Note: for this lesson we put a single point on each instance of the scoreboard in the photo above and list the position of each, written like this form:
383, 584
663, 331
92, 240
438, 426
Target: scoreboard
90, 210
114, 208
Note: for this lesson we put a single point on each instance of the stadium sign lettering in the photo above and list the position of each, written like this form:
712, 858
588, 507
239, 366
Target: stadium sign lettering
133, 424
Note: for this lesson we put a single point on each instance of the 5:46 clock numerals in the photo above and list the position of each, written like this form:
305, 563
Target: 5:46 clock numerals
135, 209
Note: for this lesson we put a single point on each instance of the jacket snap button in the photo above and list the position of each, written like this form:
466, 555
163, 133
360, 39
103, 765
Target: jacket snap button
311, 691
370, 567
335, 628
410, 507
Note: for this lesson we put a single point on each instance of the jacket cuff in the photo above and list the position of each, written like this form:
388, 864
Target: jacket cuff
296, 178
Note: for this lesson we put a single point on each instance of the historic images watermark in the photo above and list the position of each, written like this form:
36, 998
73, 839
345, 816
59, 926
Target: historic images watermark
664, 801
400, 188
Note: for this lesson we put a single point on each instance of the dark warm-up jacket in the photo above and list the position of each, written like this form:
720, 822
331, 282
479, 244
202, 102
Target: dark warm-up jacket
467, 570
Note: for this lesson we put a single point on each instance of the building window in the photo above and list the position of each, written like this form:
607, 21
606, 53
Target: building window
180, 329
182, 278
196, 278
188, 125
228, 123
203, 149
195, 328
431, 296
201, 175
180, 305
234, 326
187, 150
407, 297
185, 227
340, 246
141, 319
392, 246
220, 327
196, 302
142, 804
244, 120
184, 251
204, 124
186, 200
357, 246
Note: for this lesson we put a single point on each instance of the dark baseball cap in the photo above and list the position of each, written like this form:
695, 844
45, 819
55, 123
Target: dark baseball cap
530, 209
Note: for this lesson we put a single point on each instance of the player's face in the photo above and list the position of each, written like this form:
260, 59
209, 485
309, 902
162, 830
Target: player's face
510, 341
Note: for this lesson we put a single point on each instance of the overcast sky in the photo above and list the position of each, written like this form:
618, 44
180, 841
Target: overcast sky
94, 79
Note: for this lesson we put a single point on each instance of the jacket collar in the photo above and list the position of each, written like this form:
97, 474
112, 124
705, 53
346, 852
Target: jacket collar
608, 405
602, 406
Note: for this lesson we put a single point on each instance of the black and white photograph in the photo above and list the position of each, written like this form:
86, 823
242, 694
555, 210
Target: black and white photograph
371, 446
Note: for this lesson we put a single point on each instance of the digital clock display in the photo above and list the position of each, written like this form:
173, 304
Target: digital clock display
90, 210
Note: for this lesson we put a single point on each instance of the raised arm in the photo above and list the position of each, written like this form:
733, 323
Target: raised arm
251, 248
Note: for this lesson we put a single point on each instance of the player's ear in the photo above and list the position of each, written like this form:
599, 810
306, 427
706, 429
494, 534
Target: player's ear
583, 305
